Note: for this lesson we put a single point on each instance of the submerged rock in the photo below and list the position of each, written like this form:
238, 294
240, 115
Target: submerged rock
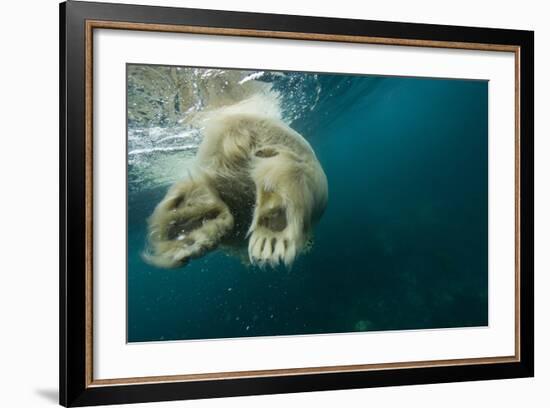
363, 325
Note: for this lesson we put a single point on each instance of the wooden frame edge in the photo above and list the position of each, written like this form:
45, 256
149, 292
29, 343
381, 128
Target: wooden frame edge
232, 375
291, 35
89, 205
104, 24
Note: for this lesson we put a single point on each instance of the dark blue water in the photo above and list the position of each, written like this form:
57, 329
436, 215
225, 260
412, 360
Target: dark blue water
402, 244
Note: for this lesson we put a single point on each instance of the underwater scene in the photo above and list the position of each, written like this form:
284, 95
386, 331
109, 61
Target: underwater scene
269, 203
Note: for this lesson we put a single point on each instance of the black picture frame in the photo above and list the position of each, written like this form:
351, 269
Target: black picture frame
76, 385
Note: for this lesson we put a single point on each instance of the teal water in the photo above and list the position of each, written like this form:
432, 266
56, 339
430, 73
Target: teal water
402, 245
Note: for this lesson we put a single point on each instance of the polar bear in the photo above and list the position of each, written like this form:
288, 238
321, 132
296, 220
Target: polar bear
255, 186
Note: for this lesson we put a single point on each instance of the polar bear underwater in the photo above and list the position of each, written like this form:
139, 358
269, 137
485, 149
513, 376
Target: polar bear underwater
255, 190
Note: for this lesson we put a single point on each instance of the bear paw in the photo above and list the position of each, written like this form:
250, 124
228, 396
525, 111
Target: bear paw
272, 238
190, 221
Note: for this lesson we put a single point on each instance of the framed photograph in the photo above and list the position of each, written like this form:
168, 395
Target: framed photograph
256, 203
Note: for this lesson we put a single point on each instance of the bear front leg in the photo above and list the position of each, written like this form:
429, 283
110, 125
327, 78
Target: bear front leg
190, 221
290, 194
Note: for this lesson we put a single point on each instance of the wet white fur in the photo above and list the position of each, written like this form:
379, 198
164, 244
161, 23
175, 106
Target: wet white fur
227, 166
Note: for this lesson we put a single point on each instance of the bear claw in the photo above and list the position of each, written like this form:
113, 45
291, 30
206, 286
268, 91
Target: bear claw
271, 247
